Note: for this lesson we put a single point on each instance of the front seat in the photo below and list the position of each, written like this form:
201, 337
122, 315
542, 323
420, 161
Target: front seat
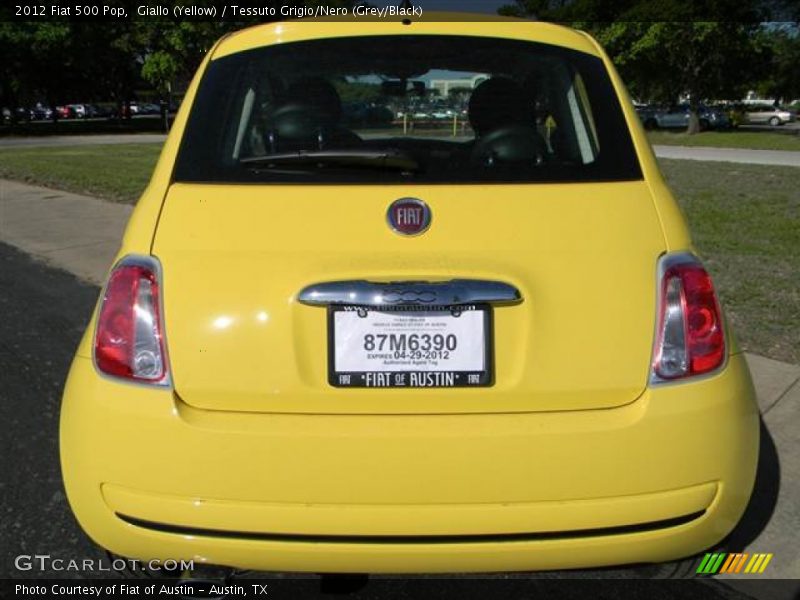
504, 126
309, 119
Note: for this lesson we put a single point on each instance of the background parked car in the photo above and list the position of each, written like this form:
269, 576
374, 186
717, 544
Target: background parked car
38, 112
102, 111
646, 113
767, 115
149, 109
78, 111
41, 113
735, 112
677, 117
22, 114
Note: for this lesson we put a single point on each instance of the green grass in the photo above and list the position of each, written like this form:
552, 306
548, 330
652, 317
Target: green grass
115, 172
754, 140
745, 222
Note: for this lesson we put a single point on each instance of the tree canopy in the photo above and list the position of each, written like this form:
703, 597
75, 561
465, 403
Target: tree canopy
706, 50
71, 60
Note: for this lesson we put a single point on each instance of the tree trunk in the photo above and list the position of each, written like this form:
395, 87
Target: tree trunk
693, 126
164, 106
694, 123
54, 114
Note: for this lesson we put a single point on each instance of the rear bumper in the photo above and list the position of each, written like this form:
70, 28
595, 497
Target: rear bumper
663, 477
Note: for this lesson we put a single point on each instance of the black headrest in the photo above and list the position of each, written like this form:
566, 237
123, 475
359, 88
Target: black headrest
310, 105
497, 102
318, 95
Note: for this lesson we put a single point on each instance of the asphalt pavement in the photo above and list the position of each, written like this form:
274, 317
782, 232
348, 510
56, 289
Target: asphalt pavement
44, 311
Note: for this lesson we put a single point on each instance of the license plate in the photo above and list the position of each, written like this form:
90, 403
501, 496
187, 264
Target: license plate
411, 347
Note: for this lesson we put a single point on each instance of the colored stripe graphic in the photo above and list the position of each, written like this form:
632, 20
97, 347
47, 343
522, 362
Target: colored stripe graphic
758, 563
741, 562
755, 562
729, 563
711, 563
765, 563
733, 562
718, 562
703, 563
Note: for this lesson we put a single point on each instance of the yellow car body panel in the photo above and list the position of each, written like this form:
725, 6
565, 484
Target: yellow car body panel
296, 31
266, 467
250, 234
349, 475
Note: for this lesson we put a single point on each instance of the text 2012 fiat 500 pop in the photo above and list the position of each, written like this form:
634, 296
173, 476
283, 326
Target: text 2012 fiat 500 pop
408, 297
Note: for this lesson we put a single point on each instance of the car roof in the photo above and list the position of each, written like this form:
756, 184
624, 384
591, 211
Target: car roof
432, 24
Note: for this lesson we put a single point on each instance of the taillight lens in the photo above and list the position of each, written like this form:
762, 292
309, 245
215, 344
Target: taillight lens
690, 339
129, 341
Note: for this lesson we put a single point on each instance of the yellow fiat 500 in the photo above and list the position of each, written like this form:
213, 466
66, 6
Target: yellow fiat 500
408, 297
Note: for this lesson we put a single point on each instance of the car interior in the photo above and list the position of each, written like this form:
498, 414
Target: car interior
505, 109
506, 112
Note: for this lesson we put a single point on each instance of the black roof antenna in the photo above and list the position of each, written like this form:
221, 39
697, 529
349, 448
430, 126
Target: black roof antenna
406, 4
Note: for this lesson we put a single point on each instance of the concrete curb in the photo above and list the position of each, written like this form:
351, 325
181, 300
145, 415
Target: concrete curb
786, 158
77, 233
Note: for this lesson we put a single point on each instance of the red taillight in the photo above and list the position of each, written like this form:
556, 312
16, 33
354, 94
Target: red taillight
129, 340
690, 339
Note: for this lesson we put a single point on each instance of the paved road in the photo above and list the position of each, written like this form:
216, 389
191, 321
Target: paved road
44, 312
756, 157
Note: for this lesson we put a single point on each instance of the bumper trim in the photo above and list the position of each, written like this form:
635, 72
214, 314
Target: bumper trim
413, 539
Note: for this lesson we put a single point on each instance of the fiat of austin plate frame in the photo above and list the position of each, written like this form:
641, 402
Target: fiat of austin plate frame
413, 358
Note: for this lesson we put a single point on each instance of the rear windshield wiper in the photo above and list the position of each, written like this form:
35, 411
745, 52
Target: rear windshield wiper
389, 160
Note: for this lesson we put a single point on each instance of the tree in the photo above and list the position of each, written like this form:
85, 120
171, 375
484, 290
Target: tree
781, 73
69, 60
172, 49
706, 50
703, 60
115, 72
39, 62
459, 96
66, 61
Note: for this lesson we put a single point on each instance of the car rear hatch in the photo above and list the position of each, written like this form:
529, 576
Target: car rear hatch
235, 258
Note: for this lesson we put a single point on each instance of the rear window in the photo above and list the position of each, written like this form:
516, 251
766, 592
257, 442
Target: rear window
395, 109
